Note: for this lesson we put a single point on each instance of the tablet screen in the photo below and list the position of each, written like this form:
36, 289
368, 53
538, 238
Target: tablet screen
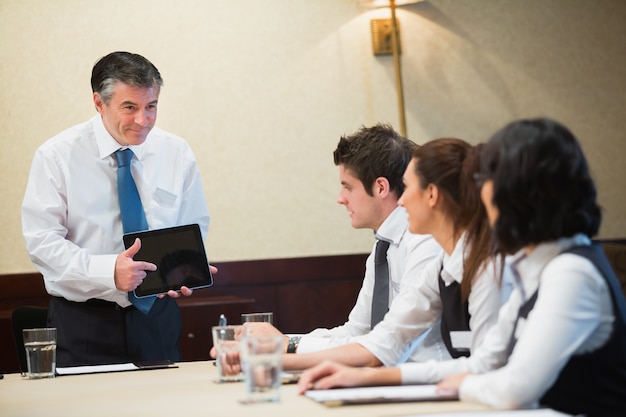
178, 252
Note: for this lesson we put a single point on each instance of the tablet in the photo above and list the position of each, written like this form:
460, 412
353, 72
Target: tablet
178, 252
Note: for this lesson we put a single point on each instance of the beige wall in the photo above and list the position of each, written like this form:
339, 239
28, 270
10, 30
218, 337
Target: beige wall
263, 89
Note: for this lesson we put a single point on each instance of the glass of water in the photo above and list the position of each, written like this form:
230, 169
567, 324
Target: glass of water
227, 348
257, 317
262, 365
41, 352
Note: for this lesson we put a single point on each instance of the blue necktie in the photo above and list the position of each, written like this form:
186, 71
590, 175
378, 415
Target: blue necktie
133, 216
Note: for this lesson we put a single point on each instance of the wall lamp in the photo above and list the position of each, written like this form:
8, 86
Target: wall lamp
386, 40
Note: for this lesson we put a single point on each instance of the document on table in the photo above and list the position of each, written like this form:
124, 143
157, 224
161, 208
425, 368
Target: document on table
290, 377
372, 395
119, 367
541, 412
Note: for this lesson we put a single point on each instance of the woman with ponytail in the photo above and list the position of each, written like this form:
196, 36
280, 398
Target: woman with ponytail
446, 311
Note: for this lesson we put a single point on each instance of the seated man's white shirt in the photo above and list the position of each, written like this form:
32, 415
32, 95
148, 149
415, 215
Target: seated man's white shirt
408, 255
418, 308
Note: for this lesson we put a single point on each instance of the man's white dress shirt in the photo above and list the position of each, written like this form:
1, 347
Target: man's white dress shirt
70, 214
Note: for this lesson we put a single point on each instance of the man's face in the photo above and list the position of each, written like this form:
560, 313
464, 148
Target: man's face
416, 201
363, 208
130, 114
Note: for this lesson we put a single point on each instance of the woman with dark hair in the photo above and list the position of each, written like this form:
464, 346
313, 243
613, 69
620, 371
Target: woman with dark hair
452, 304
560, 340
541, 185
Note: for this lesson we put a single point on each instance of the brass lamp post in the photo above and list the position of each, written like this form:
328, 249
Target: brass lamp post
379, 37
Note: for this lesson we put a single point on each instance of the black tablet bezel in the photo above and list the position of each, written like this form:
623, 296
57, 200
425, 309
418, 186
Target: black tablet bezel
156, 244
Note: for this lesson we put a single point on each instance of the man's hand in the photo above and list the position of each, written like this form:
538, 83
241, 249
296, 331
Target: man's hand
128, 273
230, 359
184, 290
264, 329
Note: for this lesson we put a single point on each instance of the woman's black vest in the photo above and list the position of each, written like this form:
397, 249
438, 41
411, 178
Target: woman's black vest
455, 316
594, 383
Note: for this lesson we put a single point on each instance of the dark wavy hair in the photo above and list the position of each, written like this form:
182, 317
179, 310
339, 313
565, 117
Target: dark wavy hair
450, 164
373, 152
542, 187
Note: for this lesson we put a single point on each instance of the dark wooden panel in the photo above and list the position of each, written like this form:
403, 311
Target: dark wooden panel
303, 293
198, 318
21, 289
310, 305
264, 297
276, 271
8, 351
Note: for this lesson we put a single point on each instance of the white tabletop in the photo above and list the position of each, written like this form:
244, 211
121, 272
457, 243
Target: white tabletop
189, 390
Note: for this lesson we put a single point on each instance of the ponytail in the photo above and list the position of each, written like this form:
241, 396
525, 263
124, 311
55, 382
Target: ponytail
480, 243
450, 164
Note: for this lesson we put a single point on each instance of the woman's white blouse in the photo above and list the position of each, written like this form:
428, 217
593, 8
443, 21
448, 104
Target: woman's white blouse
418, 308
573, 314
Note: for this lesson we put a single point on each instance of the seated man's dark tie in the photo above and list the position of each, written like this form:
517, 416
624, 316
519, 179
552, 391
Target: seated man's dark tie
380, 299
133, 216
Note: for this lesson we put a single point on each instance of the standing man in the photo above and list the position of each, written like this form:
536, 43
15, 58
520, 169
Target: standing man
371, 165
73, 226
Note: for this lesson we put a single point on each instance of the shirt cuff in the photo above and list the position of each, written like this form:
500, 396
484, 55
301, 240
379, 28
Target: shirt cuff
417, 373
102, 270
313, 344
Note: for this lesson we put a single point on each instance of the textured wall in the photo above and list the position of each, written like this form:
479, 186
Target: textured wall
263, 89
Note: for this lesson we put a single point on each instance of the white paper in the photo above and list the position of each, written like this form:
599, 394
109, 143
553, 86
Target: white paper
542, 412
399, 393
461, 340
78, 370
290, 377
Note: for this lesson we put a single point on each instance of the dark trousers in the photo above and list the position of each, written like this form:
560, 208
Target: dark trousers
100, 332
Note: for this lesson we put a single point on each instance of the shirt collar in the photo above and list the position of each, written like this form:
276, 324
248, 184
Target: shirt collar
107, 145
453, 264
529, 266
394, 227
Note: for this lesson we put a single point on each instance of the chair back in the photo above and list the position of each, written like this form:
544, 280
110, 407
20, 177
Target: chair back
615, 251
26, 317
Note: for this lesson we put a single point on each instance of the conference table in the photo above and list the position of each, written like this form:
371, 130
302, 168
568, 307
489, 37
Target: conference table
188, 390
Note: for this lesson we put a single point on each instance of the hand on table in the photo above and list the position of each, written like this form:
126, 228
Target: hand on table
330, 374
450, 385
262, 329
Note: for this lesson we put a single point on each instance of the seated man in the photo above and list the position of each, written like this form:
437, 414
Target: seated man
371, 164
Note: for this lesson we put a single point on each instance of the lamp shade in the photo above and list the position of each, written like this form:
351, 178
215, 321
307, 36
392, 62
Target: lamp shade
384, 3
